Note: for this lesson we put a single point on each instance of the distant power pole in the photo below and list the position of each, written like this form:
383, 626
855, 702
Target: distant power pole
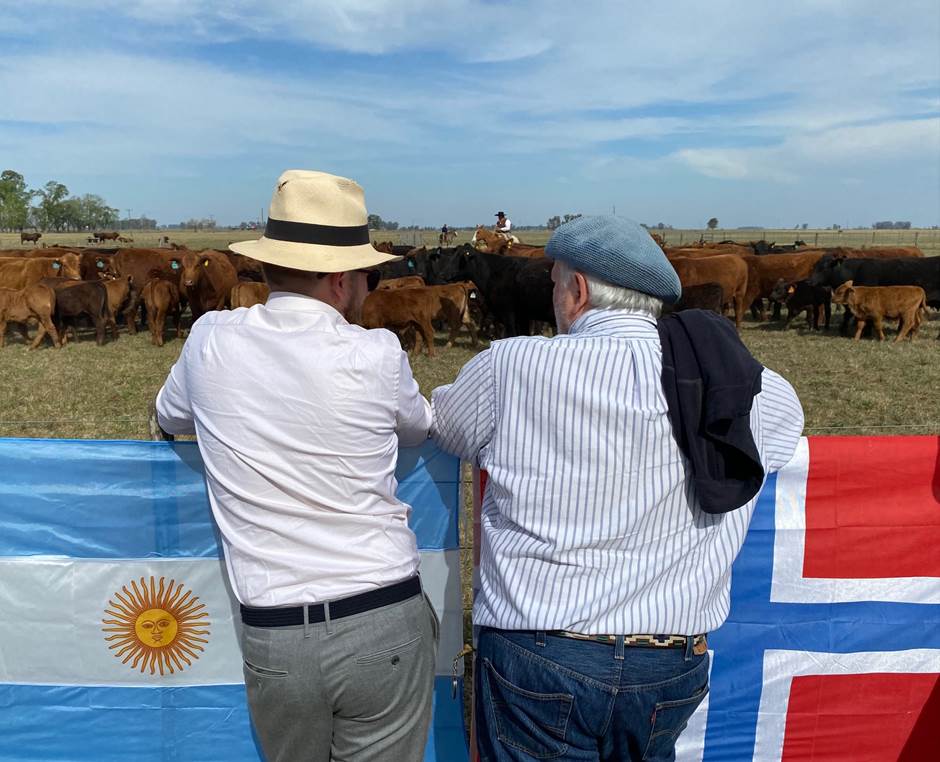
128, 225
614, 210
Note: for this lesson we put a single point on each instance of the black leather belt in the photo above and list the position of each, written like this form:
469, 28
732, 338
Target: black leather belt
288, 616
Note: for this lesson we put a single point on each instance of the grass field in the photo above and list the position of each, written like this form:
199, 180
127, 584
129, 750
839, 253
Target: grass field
927, 239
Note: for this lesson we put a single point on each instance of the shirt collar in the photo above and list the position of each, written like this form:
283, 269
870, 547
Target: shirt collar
288, 301
616, 323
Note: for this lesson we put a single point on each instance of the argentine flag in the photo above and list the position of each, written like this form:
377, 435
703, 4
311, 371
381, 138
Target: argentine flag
119, 636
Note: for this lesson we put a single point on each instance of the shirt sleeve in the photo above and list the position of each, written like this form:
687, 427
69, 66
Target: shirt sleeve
414, 411
174, 412
464, 413
776, 420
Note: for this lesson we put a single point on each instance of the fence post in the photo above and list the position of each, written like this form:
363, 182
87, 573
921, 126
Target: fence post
872, 237
916, 233
680, 238
816, 240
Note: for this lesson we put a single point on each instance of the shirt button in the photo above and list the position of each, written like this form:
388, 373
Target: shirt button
395, 660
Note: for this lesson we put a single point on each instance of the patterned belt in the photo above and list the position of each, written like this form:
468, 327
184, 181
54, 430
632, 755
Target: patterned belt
699, 644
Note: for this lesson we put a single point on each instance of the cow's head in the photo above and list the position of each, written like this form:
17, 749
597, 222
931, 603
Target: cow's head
104, 269
194, 264
782, 289
70, 266
843, 293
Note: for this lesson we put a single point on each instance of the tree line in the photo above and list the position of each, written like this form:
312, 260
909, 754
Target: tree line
50, 207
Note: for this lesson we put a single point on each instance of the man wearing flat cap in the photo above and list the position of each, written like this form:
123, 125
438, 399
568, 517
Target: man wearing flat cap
624, 459
299, 414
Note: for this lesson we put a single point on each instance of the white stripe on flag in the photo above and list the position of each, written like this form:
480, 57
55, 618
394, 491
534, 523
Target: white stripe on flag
53, 634
790, 586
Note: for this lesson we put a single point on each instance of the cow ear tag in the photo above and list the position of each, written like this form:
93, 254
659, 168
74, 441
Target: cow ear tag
411, 264
56, 266
205, 263
175, 265
99, 264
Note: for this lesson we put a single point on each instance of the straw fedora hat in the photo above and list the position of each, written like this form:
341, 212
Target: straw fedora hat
316, 222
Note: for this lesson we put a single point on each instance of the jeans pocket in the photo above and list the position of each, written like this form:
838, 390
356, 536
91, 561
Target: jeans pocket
534, 723
669, 720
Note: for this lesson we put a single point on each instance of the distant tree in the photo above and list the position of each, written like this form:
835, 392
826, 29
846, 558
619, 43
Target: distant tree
884, 225
712, 223
569, 217
52, 211
902, 225
804, 225
15, 199
554, 222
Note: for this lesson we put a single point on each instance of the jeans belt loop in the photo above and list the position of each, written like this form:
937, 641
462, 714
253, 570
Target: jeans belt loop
619, 648
326, 617
540, 638
306, 621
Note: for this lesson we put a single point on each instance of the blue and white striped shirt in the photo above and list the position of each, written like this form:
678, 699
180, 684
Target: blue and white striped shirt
589, 520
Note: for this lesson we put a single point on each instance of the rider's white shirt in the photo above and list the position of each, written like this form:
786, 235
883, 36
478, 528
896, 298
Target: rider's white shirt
505, 227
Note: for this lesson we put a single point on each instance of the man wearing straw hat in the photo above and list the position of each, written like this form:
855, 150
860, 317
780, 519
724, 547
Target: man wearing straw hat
299, 414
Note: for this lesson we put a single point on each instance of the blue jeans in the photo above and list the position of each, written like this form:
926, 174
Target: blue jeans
542, 696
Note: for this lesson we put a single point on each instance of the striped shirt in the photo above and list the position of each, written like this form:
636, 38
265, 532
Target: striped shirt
589, 519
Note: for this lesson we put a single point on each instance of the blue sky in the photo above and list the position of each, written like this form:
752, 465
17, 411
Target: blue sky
758, 113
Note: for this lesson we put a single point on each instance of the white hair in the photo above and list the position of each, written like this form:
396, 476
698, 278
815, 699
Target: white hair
606, 296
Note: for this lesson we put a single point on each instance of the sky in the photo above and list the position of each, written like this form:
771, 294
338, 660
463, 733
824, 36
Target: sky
445, 111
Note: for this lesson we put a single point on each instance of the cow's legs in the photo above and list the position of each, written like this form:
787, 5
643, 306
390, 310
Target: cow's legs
50, 329
879, 327
739, 308
859, 329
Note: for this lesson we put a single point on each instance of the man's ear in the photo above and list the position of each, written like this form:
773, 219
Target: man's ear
583, 293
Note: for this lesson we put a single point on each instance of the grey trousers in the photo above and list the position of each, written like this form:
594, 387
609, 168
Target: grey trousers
355, 689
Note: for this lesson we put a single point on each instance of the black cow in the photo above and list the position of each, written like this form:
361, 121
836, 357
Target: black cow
413, 264
74, 298
516, 290
834, 270
444, 264
801, 296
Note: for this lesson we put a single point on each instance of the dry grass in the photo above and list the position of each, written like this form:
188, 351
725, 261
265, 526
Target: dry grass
927, 239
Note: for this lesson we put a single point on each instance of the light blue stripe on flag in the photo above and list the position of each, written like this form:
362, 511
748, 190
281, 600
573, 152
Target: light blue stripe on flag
93, 499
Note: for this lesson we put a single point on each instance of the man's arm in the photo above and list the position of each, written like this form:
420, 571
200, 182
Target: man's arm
464, 415
174, 413
414, 411
776, 420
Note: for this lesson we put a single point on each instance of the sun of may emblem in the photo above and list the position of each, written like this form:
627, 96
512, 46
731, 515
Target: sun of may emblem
156, 626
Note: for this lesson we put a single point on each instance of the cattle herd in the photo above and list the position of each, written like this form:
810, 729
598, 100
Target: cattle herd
496, 285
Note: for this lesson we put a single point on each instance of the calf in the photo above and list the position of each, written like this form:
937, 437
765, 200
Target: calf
729, 271
36, 302
161, 297
454, 302
206, 281
403, 309
74, 298
799, 296
248, 294
906, 303
120, 292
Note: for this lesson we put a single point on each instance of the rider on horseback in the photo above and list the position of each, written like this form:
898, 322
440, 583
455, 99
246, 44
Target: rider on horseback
503, 223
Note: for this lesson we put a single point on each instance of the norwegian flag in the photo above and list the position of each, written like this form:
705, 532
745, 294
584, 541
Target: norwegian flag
831, 650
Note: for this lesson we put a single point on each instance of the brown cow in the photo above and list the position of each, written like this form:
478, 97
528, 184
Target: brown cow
408, 281
906, 303
387, 246
20, 272
138, 264
36, 302
247, 293
109, 236
454, 309
246, 267
119, 290
33, 237
74, 298
764, 272
729, 272
206, 281
161, 298
403, 309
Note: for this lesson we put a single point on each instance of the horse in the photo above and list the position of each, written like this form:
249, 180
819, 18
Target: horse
492, 242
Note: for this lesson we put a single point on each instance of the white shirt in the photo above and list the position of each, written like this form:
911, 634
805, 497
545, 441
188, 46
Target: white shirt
505, 227
299, 416
589, 519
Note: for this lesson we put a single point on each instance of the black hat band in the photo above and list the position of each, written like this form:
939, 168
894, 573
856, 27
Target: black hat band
325, 235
